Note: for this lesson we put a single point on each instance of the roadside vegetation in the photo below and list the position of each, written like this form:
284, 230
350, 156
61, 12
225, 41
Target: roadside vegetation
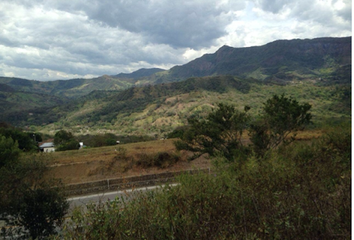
297, 191
30, 206
274, 188
266, 186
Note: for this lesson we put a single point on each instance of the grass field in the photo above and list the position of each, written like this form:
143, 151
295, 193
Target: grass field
92, 164
131, 159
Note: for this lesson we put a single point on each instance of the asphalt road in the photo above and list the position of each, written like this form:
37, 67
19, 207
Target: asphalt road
82, 201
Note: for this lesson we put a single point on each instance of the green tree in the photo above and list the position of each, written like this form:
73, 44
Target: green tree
42, 209
280, 119
62, 136
9, 151
26, 141
219, 134
64, 140
37, 209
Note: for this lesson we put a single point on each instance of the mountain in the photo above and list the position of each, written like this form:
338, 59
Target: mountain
154, 101
72, 88
141, 73
158, 109
279, 60
12, 101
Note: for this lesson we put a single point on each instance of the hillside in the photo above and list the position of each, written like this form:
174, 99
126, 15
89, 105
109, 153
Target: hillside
282, 60
73, 88
141, 73
158, 109
154, 102
18, 101
278, 61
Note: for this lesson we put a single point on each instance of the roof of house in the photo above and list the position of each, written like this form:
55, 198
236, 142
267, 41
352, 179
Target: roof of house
47, 144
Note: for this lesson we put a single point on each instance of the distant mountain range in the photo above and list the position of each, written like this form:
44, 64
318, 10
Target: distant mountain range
324, 61
281, 60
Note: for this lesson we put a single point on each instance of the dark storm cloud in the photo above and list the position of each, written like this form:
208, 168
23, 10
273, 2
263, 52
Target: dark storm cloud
193, 24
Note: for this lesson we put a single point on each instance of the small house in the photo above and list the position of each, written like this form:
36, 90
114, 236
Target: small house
47, 147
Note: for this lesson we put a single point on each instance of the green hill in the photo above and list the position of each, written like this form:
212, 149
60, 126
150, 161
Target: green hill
281, 60
154, 102
158, 109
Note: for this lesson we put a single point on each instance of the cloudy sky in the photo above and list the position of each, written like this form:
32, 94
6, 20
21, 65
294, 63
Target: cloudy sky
63, 39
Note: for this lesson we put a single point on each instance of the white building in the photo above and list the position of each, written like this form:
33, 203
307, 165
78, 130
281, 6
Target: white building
47, 147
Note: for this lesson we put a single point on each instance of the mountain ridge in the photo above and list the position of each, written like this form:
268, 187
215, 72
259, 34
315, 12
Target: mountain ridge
155, 102
304, 55
280, 60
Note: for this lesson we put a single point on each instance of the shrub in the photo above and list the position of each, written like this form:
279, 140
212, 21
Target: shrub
298, 191
161, 160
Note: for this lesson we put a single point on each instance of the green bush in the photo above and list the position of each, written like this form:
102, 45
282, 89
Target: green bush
69, 145
299, 191
9, 151
65, 141
42, 209
160, 159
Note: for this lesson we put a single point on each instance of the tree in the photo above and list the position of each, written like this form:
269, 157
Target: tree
64, 140
26, 141
219, 133
9, 151
280, 119
41, 210
62, 137
37, 209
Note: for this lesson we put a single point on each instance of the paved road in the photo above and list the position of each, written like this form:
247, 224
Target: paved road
81, 201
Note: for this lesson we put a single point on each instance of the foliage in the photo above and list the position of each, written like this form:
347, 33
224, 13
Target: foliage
64, 140
139, 111
42, 209
36, 209
300, 191
219, 134
9, 151
26, 141
177, 132
160, 160
109, 139
62, 136
281, 117
69, 145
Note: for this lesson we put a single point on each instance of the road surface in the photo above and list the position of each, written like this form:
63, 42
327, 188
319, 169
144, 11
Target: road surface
81, 201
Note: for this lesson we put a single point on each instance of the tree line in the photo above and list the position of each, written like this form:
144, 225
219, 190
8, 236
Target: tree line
221, 133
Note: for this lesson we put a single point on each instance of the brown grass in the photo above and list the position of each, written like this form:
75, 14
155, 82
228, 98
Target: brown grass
108, 162
102, 163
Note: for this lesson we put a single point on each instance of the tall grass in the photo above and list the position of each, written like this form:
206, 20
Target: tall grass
301, 191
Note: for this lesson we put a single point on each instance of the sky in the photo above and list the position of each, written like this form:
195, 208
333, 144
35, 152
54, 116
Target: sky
64, 39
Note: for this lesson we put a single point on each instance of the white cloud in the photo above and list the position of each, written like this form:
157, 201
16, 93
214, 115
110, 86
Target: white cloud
51, 39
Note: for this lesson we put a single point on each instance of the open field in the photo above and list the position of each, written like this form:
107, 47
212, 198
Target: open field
102, 163
124, 160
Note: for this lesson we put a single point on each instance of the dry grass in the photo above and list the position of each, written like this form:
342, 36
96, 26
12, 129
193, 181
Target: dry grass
102, 163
